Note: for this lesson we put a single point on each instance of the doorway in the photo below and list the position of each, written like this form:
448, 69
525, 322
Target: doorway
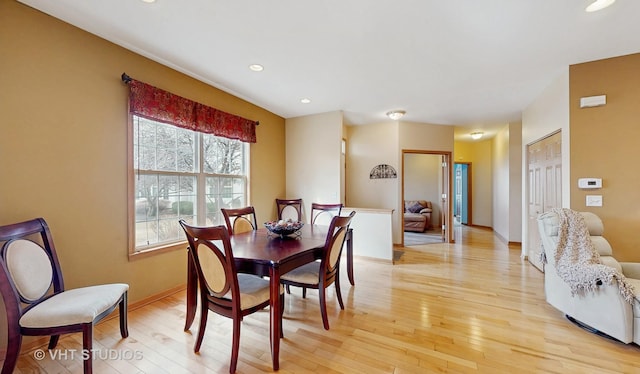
462, 198
426, 175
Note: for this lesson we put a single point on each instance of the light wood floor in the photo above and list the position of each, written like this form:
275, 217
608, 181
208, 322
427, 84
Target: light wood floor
469, 307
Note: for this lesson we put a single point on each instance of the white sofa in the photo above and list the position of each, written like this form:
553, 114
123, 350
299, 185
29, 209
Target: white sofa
604, 310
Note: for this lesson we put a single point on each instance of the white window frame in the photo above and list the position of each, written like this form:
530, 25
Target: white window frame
200, 216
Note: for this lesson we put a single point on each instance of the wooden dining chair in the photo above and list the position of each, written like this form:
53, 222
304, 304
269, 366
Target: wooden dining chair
240, 219
289, 209
222, 289
36, 302
321, 214
320, 275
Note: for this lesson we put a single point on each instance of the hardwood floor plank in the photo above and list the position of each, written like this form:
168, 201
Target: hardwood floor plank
470, 307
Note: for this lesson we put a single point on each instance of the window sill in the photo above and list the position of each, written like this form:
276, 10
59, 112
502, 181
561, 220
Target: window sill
149, 252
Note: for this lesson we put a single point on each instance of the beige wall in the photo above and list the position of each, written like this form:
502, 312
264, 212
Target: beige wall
313, 148
479, 154
367, 147
515, 183
604, 144
63, 147
507, 183
422, 137
548, 113
422, 181
501, 185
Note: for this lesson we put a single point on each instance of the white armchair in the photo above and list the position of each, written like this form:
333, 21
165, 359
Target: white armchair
603, 310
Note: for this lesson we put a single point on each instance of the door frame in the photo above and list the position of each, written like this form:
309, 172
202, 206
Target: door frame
469, 191
447, 205
538, 195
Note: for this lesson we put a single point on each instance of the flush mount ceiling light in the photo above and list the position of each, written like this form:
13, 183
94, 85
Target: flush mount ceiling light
598, 5
396, 114
149, 1
476, 135
305, 101
256, 67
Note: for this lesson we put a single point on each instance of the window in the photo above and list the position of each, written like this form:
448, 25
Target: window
179, 173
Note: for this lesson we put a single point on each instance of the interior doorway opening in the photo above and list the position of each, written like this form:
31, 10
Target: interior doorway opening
426, 176
462, 206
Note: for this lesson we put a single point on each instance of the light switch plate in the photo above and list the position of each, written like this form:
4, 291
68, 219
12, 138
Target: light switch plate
594, 200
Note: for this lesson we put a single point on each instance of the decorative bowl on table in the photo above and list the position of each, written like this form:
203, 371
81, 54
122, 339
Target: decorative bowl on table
283, 227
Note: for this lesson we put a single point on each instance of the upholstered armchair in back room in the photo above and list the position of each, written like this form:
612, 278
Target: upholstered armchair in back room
417, 215
604, 310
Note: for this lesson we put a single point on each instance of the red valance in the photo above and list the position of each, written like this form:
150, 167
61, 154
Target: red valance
159, 105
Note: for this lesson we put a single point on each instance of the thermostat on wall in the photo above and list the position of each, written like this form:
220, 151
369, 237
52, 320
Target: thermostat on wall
590, 183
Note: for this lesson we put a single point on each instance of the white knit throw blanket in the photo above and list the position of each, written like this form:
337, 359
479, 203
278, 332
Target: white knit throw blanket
577, 261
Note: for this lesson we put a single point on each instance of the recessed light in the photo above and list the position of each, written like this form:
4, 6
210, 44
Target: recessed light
305, 101
599, 5
256, 67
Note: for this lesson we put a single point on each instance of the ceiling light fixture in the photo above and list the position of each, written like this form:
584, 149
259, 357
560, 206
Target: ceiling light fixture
305, 101
149, 1
598, 5
256, 67
476, 135
396, 114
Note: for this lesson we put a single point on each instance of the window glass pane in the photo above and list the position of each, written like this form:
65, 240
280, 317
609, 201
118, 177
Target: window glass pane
146, 233
222, 155
166, 159
213, 202
146, 193
186, 151
233, 192
224, 192
166, 163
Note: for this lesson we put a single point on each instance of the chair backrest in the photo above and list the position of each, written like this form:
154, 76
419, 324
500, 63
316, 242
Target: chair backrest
210, 250
240, 220
333, 245
289, 209
549, 225
321, 214
30, 270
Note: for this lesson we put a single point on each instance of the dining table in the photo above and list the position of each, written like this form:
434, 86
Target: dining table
263, 253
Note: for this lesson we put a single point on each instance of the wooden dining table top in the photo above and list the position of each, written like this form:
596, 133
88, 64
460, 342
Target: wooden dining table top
261, 247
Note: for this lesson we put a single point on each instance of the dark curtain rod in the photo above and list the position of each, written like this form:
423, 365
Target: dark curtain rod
127, 79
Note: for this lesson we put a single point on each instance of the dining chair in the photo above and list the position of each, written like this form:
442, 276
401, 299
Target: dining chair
240, 219
289, 209
320, 275
222, 289
36, 301
321, 214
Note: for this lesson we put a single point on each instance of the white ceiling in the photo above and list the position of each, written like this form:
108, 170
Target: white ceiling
470, 63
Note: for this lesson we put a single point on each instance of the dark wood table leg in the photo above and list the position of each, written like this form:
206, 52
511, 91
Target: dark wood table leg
192, 292
350, 256
274, 309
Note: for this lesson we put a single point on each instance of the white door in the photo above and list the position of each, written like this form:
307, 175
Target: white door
544, 176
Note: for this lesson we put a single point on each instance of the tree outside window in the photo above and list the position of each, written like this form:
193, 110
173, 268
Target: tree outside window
182, 174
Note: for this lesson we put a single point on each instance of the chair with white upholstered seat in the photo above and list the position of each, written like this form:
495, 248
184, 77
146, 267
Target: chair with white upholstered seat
223, 289
321, 274
36, 301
